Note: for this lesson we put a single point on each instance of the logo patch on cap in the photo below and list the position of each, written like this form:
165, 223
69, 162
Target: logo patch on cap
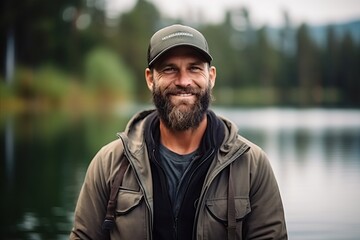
177, 34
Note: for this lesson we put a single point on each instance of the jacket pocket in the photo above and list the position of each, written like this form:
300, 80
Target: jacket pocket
131, 217
127, 200
218, 208
216, 216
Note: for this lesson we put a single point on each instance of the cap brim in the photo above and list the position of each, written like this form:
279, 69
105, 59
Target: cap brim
206, 55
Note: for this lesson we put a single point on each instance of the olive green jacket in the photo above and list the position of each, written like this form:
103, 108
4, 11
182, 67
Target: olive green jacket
259, 210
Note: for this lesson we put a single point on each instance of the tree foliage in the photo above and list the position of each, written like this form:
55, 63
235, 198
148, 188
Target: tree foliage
295, 69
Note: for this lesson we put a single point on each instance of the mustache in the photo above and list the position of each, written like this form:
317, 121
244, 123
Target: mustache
181, 90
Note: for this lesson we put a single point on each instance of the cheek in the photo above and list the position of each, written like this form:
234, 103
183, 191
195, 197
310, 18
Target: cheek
160, 80
203, 81
159, 87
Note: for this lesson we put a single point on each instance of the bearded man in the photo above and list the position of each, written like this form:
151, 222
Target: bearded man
186, 173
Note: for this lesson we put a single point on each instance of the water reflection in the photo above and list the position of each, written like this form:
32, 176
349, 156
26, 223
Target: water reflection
9, 149
40, 184
315, 155
317, 166
321, 185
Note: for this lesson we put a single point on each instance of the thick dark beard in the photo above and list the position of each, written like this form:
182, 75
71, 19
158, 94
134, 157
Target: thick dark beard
179, 118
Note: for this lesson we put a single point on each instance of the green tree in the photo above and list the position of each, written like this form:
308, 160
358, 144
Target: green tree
308, 68
106, 74
267, 60
287, 78
349, 71
136, 27
225, 56
246, 50
39, 30
331, 59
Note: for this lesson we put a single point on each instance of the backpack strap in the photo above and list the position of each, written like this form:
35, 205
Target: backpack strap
109, 221
231, 211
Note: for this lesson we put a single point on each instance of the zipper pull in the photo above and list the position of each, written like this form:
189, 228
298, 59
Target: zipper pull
175, 227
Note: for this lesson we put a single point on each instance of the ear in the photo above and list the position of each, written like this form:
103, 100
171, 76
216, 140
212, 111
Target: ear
149, 78
212, 75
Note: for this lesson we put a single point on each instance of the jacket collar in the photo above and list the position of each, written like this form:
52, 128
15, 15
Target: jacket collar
212, 138
140, 130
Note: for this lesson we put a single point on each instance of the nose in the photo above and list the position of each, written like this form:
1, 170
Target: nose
183, 79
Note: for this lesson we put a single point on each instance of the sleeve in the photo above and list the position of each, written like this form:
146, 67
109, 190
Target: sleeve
266, 219
92, 201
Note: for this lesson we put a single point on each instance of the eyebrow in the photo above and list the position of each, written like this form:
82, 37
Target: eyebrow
165, 64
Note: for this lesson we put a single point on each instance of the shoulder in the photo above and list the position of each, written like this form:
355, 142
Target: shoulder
255, 151
234, 140
253, 158
106, 161
114, 148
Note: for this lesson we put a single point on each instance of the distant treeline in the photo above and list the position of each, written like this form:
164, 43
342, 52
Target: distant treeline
253, 70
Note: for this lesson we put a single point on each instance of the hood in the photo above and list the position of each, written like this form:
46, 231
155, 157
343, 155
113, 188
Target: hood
230, 144
135, 131
233, 143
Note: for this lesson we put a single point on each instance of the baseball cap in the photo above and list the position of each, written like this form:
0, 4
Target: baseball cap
174, 36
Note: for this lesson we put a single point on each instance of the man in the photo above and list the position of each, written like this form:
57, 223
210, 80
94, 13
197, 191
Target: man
189, 174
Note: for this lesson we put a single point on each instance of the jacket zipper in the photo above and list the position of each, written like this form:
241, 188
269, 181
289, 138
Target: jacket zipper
187, 187
208, 183
192, 174
175, 219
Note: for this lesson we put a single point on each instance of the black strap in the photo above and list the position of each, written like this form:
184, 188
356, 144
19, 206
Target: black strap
231, 211
109, 221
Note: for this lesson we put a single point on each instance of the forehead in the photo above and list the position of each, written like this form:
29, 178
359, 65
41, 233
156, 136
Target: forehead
181, 52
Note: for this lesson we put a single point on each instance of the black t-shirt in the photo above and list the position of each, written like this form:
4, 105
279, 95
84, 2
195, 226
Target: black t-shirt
167, 224
176, 167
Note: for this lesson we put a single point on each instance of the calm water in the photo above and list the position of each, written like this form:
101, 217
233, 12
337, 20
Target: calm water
315, 155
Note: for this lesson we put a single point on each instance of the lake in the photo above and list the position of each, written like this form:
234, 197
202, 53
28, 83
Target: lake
315, 154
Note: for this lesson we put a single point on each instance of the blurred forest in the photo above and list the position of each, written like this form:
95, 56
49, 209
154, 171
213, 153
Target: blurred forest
70, 55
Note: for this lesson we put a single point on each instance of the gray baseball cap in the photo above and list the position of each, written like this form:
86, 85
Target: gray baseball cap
174, 36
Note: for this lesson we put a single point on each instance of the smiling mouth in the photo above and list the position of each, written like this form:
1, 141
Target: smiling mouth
182, 95
182, 98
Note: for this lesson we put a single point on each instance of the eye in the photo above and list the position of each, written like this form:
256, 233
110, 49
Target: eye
168, 70
195, 68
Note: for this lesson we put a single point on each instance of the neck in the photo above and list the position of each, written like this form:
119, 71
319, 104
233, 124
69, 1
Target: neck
182, 142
